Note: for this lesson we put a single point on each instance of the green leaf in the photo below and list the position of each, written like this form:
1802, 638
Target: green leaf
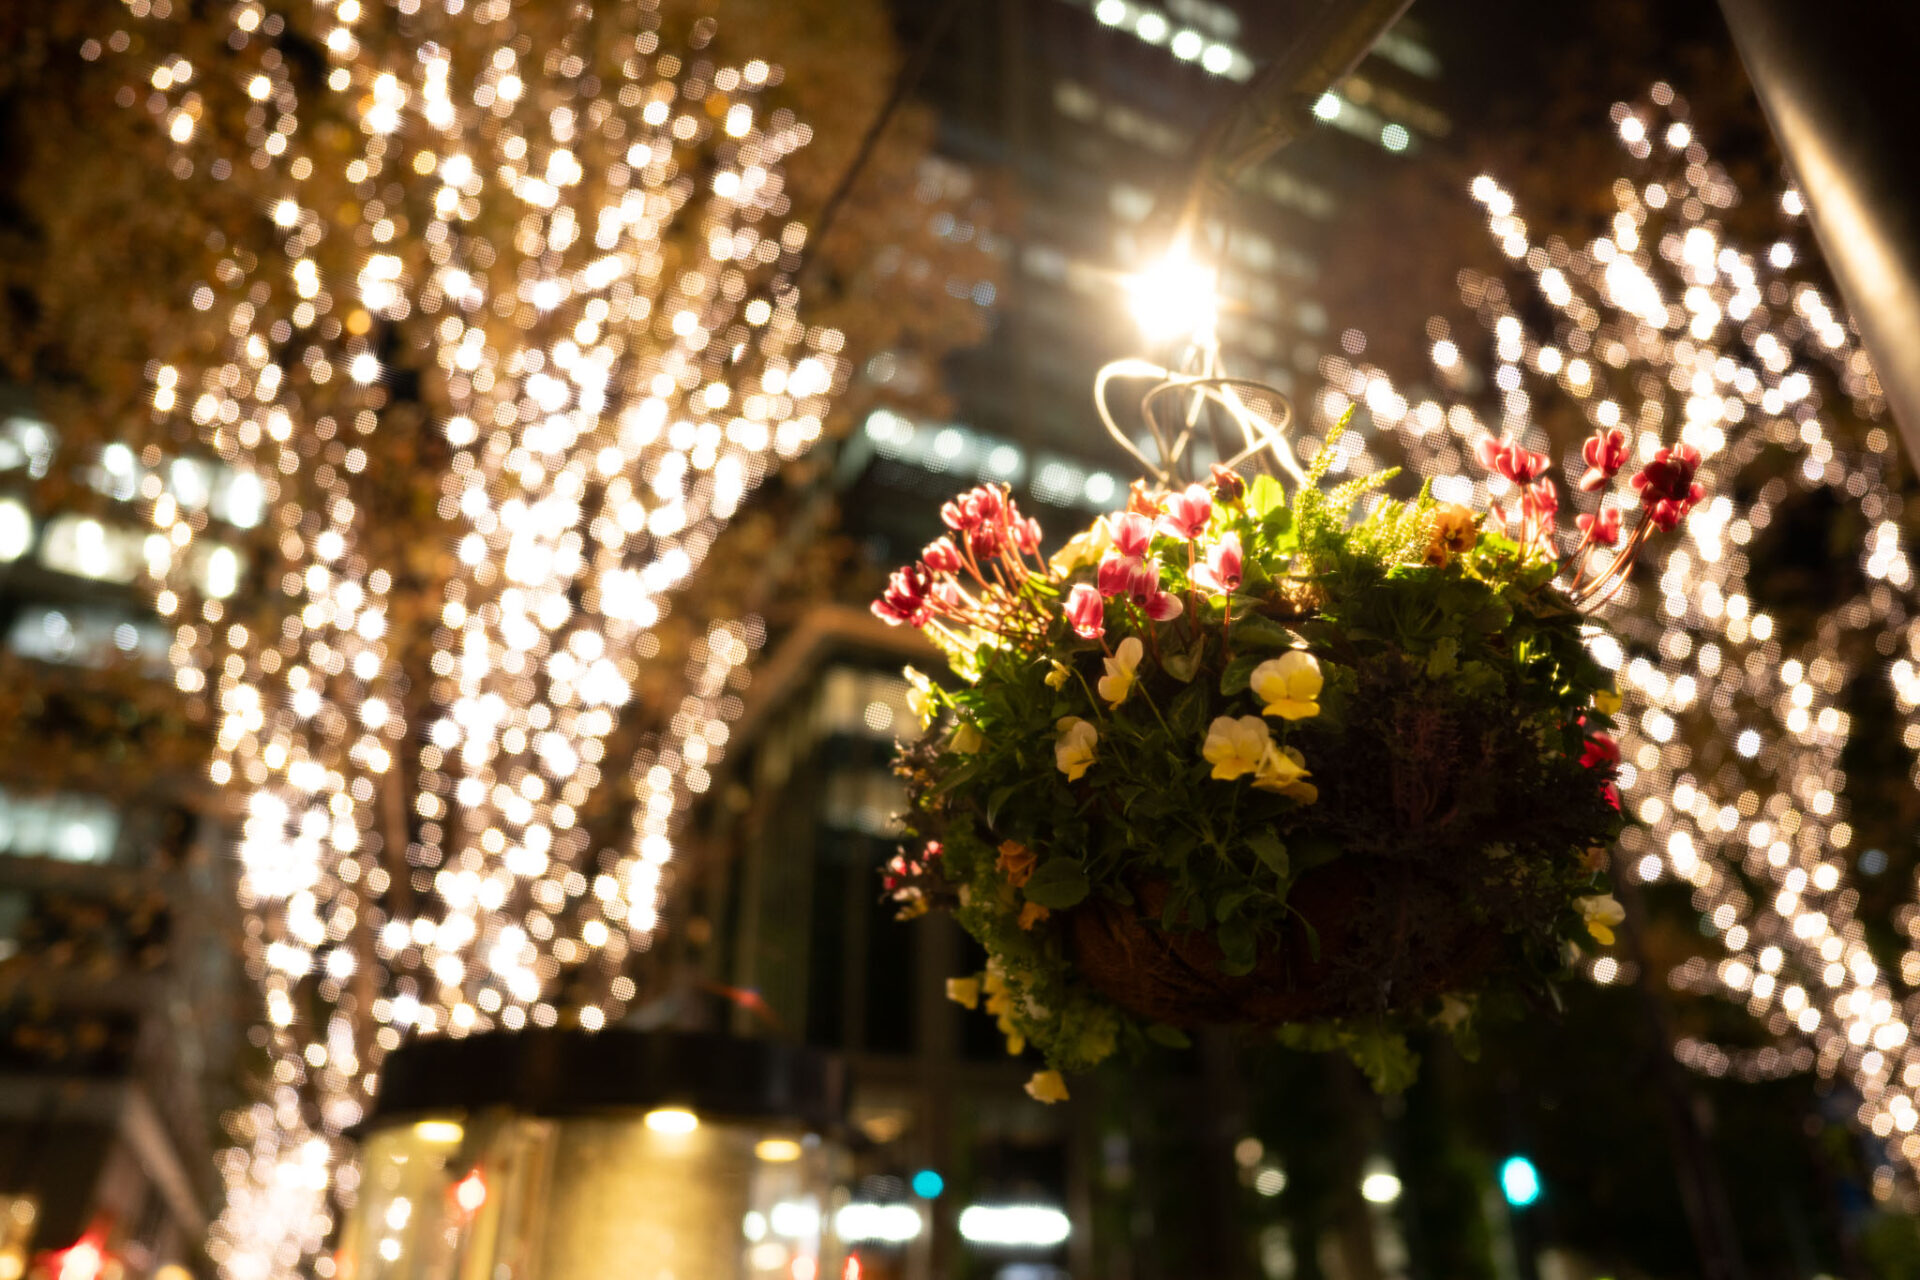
959, 777
1256, 632
1058, 883
1229, 903
1390, 1066
1239, 672
1270, 850
1172, 1037
1444, 660
1183, 666
1189, 712
1314, 851
1265, 495
1236, 941
997, 800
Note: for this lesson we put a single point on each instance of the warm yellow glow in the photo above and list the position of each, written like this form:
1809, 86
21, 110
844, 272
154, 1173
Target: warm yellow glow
1176, 298
673, 1120
439, 1132
777, 1150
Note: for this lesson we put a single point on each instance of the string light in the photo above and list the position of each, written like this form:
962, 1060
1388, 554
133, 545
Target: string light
1732, 753
577, 220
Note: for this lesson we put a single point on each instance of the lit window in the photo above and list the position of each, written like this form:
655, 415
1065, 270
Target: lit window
218, 570
88, 636
239, 498
69, 828
1395, 137
27, 443
85, 547
16, 530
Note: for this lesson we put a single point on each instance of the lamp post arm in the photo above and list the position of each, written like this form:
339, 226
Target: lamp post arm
1835, 81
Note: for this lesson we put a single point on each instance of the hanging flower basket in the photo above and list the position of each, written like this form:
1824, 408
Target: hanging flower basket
1228, 757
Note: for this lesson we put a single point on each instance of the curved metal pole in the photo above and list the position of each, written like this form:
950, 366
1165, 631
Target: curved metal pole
1836, 82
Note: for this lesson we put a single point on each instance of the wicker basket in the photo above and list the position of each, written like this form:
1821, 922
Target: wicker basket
1376, 944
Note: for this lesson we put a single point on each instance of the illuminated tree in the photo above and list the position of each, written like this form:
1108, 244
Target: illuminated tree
1667, 326
495, 304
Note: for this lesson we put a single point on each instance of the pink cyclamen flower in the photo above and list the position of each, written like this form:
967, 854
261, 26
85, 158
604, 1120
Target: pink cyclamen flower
1131, 533
1521, 466
1162, 606
905, 599
1221, 572
1185, 515
1602, 527
1605, 454
1087, 612
1115, 574
975, 507
1667, 488
941, 556
1025, 535
1540, 502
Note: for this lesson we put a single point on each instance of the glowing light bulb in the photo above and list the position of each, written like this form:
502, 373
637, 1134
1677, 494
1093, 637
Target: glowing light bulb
673, 1120
1176, 298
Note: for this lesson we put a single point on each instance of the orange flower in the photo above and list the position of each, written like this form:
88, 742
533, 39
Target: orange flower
1032, 914
1015, 862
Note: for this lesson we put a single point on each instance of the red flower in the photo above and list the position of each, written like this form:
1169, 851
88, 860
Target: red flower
1115, 574
1605, 453
1025, 535
1161, 606
974, 508
1185, 515
905, 599
1601, 750
1603, 753
1540, 502
1087, 612
1131, 533
941, 556
1667, 488
1521, 466
1603, 527
1221, 573
1228, 487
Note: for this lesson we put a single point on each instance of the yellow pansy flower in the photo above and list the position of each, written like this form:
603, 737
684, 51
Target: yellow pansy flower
1047, 1087
1288, 686
1606, 702
920, 697
1061, 673
1083, 548
966, 739
964, 991
1453, 533
1601, 913
1073, 749
1236, 745
1032, 914
1118, 682
1015, 862
1284, 769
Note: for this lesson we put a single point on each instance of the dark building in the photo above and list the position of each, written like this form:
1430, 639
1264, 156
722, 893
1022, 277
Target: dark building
1085, 115
120, 998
